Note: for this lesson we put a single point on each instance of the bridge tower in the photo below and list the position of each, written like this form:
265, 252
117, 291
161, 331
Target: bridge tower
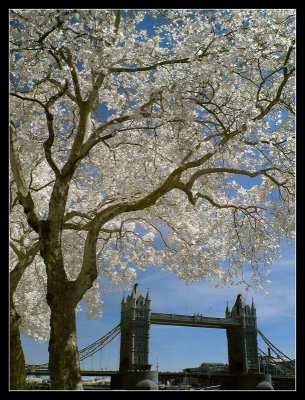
135, 326
242, 340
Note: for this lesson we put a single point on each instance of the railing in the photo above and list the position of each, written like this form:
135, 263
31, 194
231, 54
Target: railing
192, 320
37, 369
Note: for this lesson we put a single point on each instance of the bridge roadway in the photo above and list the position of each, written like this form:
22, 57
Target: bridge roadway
192, 320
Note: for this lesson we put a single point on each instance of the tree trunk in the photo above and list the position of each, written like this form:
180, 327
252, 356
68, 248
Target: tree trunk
63, 295
64, 366
17, 361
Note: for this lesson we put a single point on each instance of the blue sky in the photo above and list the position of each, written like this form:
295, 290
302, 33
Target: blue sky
175, 348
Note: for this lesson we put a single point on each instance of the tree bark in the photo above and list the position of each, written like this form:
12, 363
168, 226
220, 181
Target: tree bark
17, 361
64, 366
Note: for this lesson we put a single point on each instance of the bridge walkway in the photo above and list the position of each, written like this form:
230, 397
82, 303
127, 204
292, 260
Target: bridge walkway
196, 320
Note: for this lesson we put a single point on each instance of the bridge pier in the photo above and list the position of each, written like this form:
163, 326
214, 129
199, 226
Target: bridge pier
250, 381
127, 380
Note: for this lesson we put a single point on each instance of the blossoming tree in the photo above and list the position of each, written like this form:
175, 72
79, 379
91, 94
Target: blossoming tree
24, 249
128, 127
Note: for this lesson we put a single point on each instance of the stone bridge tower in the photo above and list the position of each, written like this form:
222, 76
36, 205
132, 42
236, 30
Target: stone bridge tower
135, 326
242, 340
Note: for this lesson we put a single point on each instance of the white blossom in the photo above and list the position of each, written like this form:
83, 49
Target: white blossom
204, 106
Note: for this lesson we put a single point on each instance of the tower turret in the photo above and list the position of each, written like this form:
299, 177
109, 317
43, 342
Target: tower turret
240, 305
123, 302
132, 298
253, 309
242, 340
227, 312
135, 319
147, 299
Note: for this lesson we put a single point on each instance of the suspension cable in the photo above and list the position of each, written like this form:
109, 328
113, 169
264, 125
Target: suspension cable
278, 352
100, 343
86, 351
285, 366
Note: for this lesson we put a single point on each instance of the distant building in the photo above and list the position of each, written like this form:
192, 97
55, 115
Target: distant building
209, 368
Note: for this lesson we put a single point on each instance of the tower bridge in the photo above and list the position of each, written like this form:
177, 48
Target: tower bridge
136, 319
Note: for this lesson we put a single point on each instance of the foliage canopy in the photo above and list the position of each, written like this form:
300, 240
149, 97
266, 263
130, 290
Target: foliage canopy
167, 134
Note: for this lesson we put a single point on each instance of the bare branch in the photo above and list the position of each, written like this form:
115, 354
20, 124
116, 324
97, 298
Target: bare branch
47, 144
25, 259
59, 85
28, 99
150, 67
68, 60
49, 116
117, 21
58, 24
215, 204
277, 98
217, 170
24, 195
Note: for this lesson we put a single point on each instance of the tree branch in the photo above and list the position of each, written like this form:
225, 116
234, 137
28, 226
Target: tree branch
28, 99
150, 67
117, 21
25, 259
277, 98
58, 24
47, 144
24, 195
49, 116
68, 60
218, 170
210, 200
